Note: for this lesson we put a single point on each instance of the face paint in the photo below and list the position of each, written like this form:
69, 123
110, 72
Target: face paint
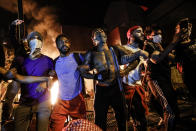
157, 39
99, 37
35, 46
138, 34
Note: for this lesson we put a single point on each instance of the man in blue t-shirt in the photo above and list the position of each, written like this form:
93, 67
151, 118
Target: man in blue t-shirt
71, 101
35, 96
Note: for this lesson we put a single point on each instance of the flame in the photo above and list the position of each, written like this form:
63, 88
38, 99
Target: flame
43, 18
54, 92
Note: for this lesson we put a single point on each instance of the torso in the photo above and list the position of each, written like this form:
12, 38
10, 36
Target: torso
70, 82
103, 62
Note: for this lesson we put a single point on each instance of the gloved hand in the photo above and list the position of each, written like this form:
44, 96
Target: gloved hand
17, 22
101, 76
42, 87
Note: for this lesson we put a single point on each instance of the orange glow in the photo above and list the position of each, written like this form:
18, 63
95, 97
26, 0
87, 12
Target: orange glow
54, 92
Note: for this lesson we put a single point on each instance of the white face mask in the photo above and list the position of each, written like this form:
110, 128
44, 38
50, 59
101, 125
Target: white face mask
157, 39
34, 45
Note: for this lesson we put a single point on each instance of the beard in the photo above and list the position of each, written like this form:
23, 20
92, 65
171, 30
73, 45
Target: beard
64, 50
140, 42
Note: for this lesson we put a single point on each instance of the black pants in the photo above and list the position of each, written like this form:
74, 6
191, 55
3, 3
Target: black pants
170, 95
162, 94
104, 97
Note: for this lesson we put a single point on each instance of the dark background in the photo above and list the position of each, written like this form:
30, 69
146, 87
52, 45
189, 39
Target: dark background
78, 18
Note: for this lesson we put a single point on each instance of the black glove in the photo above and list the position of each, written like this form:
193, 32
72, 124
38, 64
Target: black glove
101, 76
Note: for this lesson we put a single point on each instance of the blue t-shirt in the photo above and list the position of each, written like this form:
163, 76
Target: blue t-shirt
70, 81
38, 67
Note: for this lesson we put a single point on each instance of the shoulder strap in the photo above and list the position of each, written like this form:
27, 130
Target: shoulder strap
55, 61
77, 58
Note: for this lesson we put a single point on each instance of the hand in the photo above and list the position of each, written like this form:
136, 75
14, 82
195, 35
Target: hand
101, 76
83, 68
49, 82
41, 87
17, 22
155, 57
122, 73
52, 73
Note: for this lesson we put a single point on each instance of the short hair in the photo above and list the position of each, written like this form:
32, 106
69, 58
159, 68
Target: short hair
61, 35
98, 31
152, 28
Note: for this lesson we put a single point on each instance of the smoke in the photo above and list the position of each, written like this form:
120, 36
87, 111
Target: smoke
43, 19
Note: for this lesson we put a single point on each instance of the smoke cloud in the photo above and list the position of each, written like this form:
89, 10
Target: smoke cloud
43, 19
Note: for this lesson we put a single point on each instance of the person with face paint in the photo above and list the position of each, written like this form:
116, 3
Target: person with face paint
132, 81
71, 101
107, 91
34, 96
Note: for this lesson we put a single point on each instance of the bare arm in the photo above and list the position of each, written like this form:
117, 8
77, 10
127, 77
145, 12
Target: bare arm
30, 79
131, 57
130, 67
170, 47
85, 68
21, 78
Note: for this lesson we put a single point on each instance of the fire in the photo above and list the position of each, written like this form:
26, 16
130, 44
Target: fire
54, 92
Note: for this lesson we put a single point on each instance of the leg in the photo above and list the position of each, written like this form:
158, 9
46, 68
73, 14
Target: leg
11, 92
23, 116
43, 114
59, 115
78, 108
168, 113
119, 106
101, 108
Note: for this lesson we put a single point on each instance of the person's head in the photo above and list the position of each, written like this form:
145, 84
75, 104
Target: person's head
63, 43
184, 26
99, 37
135, 35
157, 34
153, 34
35, 42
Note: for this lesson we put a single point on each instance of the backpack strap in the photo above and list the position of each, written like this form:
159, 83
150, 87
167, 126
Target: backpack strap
77, 58
79, 61
55, 61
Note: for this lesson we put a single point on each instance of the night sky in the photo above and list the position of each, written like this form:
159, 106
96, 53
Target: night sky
76, 12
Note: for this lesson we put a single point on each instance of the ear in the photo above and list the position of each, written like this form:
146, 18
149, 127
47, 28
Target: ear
131, 39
